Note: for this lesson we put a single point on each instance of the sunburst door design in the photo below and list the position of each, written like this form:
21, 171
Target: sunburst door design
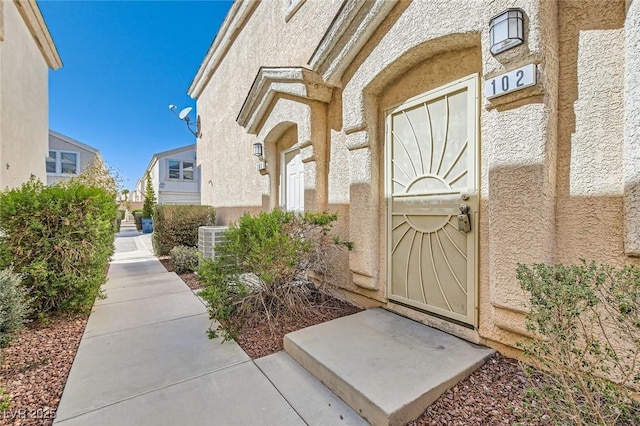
430, 173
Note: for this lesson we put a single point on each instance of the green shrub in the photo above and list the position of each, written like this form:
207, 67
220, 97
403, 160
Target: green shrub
149, 199
137, 217
184, 259
60, 239
13, 305
586, 319
264, 264
5, 402
177, 225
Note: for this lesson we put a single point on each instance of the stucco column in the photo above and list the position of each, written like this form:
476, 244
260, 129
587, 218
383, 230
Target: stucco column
519, 139
314, 156
632, 130
364, 228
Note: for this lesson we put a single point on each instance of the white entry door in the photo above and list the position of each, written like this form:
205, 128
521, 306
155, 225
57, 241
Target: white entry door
292, 181
431, 178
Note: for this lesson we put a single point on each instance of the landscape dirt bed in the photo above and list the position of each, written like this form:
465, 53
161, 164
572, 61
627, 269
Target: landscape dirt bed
35, 367
259, 340
492, 395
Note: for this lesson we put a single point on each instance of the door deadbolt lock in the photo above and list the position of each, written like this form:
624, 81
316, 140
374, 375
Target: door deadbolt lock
464, 218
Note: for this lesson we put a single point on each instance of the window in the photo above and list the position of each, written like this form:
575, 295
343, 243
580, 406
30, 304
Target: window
181, 169
63, 163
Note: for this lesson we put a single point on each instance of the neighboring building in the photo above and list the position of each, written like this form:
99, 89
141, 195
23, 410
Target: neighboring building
68, 157
27, 52
378, 110
174, 175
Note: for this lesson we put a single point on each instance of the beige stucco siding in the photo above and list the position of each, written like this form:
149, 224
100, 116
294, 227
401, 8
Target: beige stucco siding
266, 40
559, 162
632, 129
24, 105
590, 211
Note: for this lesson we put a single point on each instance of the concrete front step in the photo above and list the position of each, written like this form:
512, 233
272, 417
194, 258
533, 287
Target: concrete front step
313, 402
387, 368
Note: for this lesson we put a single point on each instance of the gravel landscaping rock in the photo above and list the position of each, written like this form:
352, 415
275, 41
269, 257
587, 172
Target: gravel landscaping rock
492, 395
35, 368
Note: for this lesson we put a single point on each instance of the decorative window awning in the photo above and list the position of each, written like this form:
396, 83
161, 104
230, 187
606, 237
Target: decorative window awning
271, 83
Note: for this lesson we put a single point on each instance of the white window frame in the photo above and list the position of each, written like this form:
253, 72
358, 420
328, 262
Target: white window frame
59, 153
181, 175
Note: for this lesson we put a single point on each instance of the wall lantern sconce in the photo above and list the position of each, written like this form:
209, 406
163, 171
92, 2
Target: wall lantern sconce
506, 30
261, 166
257, 150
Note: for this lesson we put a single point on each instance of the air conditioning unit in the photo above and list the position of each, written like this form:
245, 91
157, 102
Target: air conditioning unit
208, 237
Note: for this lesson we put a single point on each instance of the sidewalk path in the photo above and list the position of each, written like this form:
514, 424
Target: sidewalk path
145, 359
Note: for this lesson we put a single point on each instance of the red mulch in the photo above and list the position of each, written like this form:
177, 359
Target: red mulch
492, 395
35, 367
258, 340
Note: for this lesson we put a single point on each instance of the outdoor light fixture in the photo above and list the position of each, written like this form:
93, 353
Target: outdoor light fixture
261, 166
184, 116
257, 150
506, 30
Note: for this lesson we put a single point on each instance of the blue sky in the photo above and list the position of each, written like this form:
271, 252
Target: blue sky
124, 62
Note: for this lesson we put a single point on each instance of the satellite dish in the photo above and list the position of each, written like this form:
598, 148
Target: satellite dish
184, 114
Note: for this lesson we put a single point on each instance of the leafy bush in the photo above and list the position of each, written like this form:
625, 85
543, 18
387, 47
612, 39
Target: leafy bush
586, 319
177, 225
60, 239
137, 218
13, 305
5, 403
184, 259
264, 267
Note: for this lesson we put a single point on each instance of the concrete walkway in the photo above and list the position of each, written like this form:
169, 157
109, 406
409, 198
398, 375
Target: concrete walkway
145, 359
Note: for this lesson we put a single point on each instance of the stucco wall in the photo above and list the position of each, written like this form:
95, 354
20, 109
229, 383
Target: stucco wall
632, 129
554, 158
590, 146
266, 40
24, 124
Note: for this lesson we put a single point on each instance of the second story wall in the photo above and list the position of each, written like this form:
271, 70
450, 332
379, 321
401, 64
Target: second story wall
24, 122
276, 33
67, 158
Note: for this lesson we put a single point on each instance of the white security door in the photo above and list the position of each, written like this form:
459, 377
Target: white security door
292, 190
431, 178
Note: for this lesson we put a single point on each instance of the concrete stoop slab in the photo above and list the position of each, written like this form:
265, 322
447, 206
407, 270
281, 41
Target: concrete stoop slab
387, 368
313, 401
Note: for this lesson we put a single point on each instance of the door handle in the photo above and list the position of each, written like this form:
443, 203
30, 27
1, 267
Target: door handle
464, 218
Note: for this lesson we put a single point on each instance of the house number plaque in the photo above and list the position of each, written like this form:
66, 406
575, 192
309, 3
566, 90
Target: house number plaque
511, 81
